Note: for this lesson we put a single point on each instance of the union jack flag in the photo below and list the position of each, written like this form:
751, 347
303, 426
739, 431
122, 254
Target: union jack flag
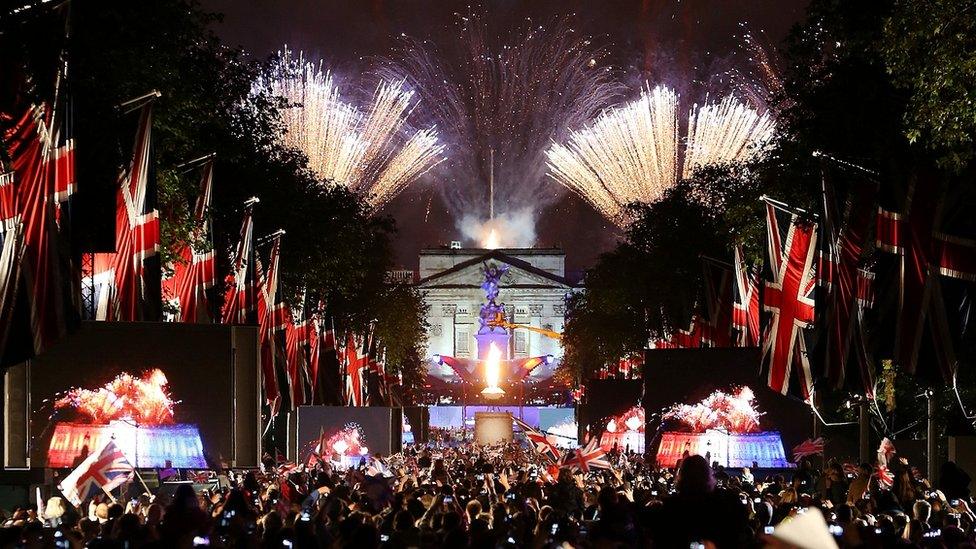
62, 157
194, 274
11, 252
789, 298
540, 442
296, 338
719, 301
241, 295
104, 470
924, 254
375, 374
588, 457
273, 319
808, 448
126, 283
355, 360
745, 317
690, 338
35, 261
884, 475
843, 321
329, 373
314, 338
200, 477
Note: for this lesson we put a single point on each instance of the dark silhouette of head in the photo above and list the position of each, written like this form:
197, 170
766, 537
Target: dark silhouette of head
695, 477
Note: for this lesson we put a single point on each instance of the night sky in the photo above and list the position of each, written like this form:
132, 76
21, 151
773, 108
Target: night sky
655, 40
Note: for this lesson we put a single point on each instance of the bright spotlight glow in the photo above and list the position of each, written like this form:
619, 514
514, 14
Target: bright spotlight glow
491, 241
492, 372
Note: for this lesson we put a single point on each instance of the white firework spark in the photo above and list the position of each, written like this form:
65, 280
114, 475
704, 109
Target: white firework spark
729, 131
369, 152
631, 153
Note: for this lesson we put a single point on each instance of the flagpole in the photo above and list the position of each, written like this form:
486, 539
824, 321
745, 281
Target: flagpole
133, 104
109, 492
141, 481
190, 164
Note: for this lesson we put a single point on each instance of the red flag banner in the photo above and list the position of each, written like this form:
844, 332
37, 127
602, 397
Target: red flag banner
745, 317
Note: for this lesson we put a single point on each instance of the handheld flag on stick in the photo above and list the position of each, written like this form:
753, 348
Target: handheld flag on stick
809, 447
540, 442
104, 470
585, 458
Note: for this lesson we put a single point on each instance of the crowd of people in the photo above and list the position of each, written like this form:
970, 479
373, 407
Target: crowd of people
508, 496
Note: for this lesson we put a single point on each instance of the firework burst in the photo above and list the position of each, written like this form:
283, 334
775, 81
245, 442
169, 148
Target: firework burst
734, 412
145, 400
631, 153
371, 150
500, 98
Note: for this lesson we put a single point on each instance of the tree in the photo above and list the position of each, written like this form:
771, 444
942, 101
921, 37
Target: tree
402, 329
649, 285
929, 49
335, 249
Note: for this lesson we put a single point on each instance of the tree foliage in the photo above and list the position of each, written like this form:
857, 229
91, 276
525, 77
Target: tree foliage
929, 48
840, 116
334, 248
648, 286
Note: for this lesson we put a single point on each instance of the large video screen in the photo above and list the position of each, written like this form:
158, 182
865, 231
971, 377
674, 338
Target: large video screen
560, 425
688, 376
170, 395
346, 433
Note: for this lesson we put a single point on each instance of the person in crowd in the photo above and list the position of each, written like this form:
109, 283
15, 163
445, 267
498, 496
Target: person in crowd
458, 494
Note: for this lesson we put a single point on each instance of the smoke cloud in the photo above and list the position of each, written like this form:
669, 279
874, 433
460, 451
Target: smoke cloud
507, 230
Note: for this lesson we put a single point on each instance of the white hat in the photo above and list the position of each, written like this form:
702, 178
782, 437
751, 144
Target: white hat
806, 530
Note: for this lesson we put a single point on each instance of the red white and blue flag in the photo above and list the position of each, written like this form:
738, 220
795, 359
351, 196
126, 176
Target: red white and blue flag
540, 442
844, 304
591, 456
240, 295
11, 252
809, 447
101, 471
789, 299
689, 338
35, 265
126, 283
194, 273
296, 357
886, 450
719, 301
356, 362
328, 373
272, 323
745, 316
924, 253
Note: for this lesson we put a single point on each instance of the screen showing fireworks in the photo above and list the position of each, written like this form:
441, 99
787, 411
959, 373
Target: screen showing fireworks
178, 408
348, 431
